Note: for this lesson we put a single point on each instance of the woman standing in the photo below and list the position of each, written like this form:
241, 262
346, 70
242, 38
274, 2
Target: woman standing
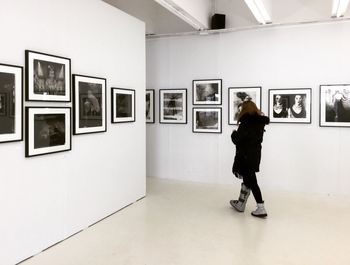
248, 139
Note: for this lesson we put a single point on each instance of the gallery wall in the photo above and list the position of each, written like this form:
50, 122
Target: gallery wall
296, 157
45, 199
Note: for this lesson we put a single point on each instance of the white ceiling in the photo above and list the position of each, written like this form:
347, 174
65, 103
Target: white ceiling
161, 21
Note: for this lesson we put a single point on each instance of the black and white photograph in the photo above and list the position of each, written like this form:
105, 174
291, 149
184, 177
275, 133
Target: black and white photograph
48, 130
89, 96
207, 91
290, 105
11, 104
237, 95
150, 106
173, 106
335, 105
123, 105
47, 77
206, 120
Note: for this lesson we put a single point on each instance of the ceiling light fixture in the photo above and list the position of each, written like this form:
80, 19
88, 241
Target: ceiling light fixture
259, 11
339, 7
181, 13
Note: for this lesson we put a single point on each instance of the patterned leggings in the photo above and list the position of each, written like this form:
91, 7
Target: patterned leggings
250, 181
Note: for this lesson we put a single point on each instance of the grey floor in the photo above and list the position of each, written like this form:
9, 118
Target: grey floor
183, 223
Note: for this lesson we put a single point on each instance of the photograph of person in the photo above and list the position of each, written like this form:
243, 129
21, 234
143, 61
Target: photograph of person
297, 110
49, 78
335, 105
280, 104
90, 104
290, 105
238, 95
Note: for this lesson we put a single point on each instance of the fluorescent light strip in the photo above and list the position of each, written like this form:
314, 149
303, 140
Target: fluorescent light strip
339, 7
178, 11
259, 11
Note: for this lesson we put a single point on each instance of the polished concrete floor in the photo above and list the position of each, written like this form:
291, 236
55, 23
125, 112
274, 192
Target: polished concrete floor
182, 223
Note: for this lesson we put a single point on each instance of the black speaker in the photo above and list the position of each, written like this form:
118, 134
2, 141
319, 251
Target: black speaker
218, 21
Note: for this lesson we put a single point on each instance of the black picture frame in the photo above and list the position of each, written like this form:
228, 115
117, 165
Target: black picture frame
11, 103
334, 105
173, 106
48, 77
207, 92
236, 96
202, 122
48, 130
89, 104
290, 105
150, 106
123, 107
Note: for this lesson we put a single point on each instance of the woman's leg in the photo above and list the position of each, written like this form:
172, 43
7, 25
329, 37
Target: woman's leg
249, 180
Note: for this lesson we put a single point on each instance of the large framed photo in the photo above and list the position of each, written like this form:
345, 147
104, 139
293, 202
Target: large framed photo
89, 104
335, 105
48, 130
290, 105
237, 95
206, 120
173, 106
150, 106
47, 77
11, 103
207, 91
123, 105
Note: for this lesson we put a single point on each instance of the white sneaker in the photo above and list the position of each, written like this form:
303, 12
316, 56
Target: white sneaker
260, 211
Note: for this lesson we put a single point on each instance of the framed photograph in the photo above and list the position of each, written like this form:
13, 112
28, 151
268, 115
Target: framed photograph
48, 130
47, 77
206, 120
207, 92
89, 97
335, 105
237, 95
123, 105
290, 105
173, 106
11, 103
150, 106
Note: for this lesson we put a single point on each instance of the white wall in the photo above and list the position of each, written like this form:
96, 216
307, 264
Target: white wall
48, 198
299, 157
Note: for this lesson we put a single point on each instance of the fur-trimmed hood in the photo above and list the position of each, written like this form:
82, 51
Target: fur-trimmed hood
254, 118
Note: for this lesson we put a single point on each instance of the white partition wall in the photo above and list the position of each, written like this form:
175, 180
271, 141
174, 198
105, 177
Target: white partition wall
298, 157
45, 199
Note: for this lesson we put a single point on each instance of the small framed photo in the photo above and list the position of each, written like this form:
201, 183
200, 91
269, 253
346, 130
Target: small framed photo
89, 104
150, 106
207, 92
48, 130
47, 77
335, 105
11, 103
173, 106
123, 105
237, 95
206, 120
290, 105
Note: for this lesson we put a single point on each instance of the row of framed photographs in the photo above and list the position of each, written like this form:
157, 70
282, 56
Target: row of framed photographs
48, 78
284, 105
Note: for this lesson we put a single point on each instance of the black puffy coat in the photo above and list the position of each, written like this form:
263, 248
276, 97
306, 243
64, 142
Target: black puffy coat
248, 139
